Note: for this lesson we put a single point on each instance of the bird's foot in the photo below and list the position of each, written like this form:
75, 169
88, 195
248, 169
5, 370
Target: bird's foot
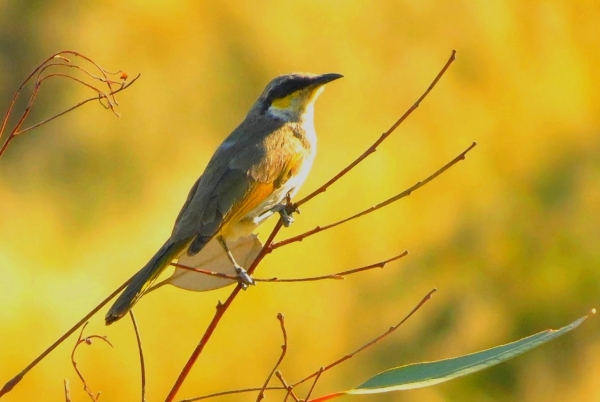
243, 278
286, 212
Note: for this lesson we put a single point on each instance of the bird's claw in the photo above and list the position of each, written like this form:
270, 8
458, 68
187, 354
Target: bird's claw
286, 212
243, 278
286, 218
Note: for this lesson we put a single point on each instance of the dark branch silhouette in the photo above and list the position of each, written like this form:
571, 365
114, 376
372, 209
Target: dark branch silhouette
114, 86
317, 374
383, 137
141, 352
88, 341
108, 100
284, 347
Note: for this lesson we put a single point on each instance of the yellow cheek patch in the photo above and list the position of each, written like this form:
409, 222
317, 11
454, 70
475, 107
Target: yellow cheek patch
297, 101
283, 103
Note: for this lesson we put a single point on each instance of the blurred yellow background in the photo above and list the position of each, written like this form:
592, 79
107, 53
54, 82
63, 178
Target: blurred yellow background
509, 236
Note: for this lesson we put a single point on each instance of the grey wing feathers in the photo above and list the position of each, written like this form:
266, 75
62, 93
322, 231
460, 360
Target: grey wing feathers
187, 201
226, 179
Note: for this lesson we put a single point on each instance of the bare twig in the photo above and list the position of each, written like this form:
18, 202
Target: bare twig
316, 375
373, 147
111, 104
339, 275
63, 62
336, 276
321, 370
370, 343
395, 198
67, 390
99, 97
290, 388
142, 364
261, 394
100, 69
20, 89
78, 105
231, 392
222, 307
16, 379
220, 311
88, 341
205, 272
110, 97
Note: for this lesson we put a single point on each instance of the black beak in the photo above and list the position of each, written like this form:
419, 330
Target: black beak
325, 78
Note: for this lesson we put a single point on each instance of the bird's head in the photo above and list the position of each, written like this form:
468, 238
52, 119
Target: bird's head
291, 97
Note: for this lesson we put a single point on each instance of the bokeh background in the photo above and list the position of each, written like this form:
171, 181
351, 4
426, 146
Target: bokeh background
509, 237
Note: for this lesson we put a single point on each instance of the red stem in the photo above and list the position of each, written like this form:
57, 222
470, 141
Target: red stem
373, 147
221, 309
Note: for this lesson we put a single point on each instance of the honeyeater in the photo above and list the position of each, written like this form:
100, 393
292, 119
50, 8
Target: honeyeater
258, 166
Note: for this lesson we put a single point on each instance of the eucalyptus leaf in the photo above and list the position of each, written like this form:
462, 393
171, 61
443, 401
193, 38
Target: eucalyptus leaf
424, 374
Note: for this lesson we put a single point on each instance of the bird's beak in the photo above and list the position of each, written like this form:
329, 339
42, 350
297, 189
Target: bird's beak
325, 78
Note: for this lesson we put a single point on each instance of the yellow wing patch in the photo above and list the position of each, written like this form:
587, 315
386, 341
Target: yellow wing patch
258, 193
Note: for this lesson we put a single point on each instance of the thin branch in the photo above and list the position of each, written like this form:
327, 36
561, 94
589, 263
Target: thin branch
267, 248
67, 390
101, 94
321, 370
395, 198
88, 341
16, 379
373, 147
370, 343
39, 80
336, 276
221, 308
141, 352
86, 72
339, 275
78, 105
205, 272
290, 388
231, 392
20, 89
220, 311
102, 70
261, 394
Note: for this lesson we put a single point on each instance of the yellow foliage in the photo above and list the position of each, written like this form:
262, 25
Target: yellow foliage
509, 236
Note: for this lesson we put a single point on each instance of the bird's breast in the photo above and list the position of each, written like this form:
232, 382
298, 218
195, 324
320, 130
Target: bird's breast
244, 225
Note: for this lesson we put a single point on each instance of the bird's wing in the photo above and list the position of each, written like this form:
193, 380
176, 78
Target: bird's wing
187, 201
281, 157
229, 191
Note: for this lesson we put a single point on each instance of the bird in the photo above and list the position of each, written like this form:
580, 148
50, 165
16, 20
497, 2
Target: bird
251, 176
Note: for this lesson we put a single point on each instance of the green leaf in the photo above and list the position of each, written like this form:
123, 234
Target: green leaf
429, 373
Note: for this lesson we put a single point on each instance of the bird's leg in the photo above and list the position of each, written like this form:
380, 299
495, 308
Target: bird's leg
287, 217
286, 211
242, 275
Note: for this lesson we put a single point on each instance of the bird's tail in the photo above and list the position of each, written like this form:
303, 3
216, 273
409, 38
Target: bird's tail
143, 280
